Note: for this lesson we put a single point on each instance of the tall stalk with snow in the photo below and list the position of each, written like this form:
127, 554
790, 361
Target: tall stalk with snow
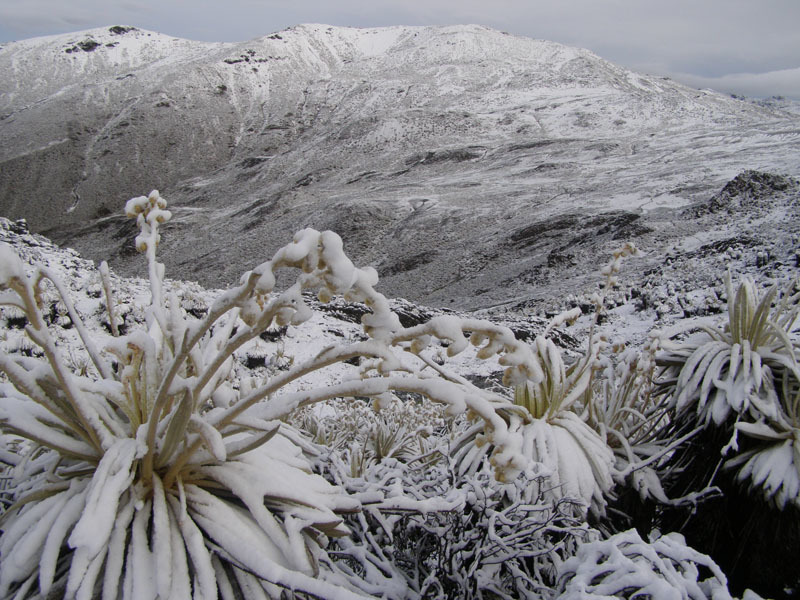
152, 473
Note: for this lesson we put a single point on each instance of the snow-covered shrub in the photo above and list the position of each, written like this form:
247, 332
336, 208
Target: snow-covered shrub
625, 410
426, 532
151, 473
625, 566
400, 430
632, 417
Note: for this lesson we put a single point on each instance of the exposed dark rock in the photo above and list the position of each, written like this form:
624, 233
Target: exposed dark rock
532, 234
121, 29
253, 161
409, 314
362, 176
20, 227
304, 180
556, 259
755, 184
88, 45
718, 247
533, 144
621, 226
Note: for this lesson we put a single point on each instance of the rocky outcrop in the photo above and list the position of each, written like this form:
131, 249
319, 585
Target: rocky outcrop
749, 191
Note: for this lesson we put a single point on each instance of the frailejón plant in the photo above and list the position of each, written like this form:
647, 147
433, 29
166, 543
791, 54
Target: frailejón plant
745, 377
151, 473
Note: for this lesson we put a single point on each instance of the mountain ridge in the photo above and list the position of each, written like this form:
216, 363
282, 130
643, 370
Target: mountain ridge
460, 161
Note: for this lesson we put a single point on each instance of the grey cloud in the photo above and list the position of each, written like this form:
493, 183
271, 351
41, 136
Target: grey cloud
20, 19
785, 82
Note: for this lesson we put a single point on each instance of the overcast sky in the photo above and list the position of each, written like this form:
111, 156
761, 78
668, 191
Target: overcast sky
750, 47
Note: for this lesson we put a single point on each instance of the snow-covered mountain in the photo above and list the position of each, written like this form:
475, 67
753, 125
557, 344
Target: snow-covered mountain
472, 168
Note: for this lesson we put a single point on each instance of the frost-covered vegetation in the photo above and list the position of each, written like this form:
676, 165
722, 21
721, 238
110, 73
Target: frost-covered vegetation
172, 445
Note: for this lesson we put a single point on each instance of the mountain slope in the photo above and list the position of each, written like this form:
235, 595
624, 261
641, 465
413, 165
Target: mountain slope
470, 167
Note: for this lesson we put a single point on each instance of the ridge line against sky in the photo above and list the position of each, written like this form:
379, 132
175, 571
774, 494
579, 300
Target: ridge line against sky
735, 46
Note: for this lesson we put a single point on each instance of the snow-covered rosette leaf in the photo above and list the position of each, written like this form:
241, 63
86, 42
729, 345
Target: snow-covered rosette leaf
580, 459
743, 380
773, 466
718, 378
731, 371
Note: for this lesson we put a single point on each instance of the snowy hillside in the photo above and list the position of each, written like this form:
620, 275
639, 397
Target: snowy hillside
472, 168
